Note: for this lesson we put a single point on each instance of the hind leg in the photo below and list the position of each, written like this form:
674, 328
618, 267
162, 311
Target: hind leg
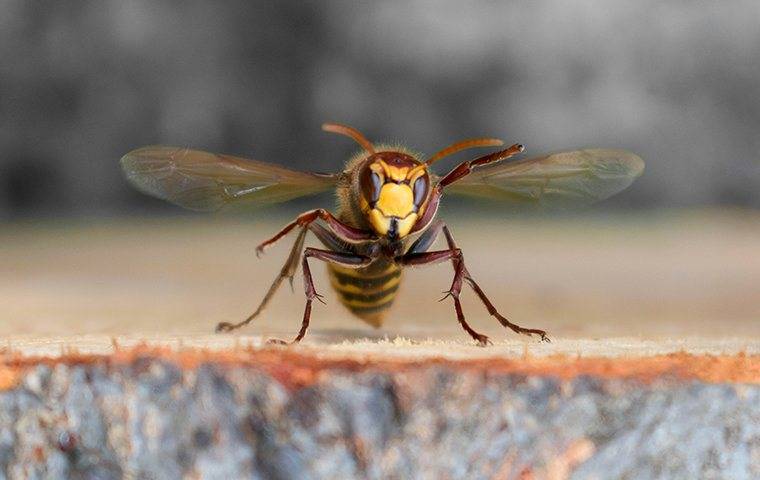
328, 237
287, 271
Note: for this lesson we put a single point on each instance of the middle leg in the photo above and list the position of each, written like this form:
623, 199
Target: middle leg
462, 274
461, 270
339, 258
415, 258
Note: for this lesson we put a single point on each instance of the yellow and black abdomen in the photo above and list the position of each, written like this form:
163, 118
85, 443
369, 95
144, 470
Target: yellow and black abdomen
368, 292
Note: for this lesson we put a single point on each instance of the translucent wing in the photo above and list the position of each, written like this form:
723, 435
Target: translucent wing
208, 181
566, 178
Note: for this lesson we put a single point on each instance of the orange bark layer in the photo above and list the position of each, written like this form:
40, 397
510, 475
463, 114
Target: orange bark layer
296, 369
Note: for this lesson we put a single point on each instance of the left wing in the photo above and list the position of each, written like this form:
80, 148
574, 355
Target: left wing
566, 178
206, 181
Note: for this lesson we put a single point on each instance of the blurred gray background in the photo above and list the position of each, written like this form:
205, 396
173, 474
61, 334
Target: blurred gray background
82, 83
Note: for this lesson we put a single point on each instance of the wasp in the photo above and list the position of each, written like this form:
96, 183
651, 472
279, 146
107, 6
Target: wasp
388, 198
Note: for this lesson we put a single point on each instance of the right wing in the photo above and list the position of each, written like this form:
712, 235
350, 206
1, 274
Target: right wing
206, 181
559, 179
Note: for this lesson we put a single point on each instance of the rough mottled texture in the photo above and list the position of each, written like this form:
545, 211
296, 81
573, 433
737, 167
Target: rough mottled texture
146, 416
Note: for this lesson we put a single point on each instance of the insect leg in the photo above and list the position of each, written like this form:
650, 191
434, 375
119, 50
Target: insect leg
287, 271
427, 258
455, 255
347, 232
479, 337
483, 298
330, 239
426, 240
464, 168
344, 259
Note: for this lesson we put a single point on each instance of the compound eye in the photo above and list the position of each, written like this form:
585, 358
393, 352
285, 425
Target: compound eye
420, 189
371, 184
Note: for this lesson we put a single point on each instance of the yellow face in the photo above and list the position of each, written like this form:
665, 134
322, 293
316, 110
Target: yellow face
395, 190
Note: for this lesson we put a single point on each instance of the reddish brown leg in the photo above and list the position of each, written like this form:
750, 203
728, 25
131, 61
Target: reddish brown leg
345, 232
287, 271
479, 337
427, 258
455, 255
460, 267
464, 168
329, 239
344, 259
506, 323
460, 171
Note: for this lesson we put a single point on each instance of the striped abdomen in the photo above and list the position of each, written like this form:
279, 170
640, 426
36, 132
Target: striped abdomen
368, 292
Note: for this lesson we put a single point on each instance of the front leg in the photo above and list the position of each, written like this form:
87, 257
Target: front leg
346, 233
457, 173
464, 168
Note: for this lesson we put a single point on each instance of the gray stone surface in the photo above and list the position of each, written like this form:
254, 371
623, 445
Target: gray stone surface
149, 418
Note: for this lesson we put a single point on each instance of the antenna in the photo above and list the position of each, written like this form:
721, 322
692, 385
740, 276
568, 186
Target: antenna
350, 132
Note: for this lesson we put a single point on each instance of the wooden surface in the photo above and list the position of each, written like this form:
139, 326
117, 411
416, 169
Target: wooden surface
286, 413
653, 371
626, 284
